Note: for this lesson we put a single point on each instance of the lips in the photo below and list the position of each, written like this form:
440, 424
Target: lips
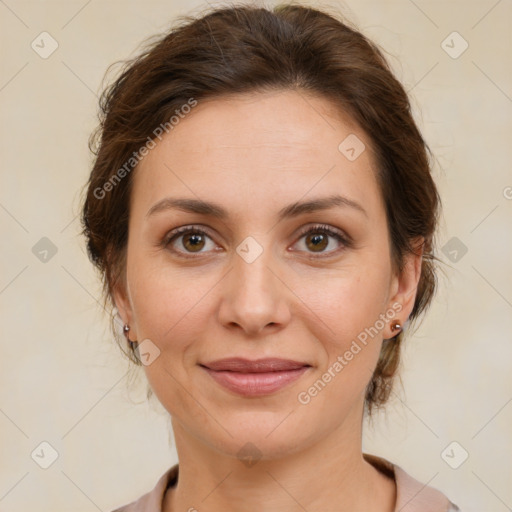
255, 378
239, 364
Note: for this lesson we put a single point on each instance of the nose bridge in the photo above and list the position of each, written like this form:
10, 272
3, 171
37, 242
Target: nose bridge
252, 271
254, 297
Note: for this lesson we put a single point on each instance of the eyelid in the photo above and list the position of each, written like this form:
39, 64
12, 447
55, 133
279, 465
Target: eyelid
324, 227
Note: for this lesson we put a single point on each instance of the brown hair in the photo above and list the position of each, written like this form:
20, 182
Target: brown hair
242, 49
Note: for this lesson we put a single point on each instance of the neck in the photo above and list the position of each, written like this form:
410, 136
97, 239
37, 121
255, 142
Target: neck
330, 470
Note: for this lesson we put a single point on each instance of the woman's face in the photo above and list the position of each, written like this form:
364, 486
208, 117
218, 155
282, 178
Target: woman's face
256, 285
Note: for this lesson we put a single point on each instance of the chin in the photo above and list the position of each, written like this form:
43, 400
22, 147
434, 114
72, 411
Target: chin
262, 436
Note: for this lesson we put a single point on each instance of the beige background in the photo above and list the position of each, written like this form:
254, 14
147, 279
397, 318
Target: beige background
62, 378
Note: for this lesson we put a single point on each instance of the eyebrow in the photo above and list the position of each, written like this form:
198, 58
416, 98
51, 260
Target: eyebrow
201, 207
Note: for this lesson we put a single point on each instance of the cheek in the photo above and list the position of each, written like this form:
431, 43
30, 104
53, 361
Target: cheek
349, 309
349, 301
166, 303
171, 307
349, 304
169, 311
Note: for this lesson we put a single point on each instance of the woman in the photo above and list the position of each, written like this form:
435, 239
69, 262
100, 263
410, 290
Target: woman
262, 211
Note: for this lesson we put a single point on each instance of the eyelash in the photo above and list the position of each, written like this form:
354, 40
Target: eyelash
318, 228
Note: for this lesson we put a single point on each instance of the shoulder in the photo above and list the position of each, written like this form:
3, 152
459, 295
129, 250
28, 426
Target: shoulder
412, 495
152, 501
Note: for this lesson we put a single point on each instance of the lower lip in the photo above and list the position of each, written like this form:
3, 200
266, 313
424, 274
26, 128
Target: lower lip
256, 384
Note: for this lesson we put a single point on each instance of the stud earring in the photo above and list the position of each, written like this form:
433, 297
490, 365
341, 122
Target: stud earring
395, 326
126, 330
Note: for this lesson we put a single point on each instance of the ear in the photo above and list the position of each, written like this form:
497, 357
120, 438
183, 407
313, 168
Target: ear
123, 305
404, 286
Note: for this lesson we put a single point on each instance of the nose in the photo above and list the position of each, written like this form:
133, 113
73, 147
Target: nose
254, 297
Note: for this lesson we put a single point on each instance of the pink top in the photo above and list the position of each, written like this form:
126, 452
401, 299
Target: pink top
412, 496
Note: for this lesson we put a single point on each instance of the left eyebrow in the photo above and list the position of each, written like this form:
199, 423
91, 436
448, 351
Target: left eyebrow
323, 203
202, 207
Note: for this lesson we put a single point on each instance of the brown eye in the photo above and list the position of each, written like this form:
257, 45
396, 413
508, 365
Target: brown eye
317, 242
318, 238
188, 240
193, 242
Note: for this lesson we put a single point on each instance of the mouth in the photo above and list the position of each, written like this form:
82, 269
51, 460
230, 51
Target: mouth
254, 378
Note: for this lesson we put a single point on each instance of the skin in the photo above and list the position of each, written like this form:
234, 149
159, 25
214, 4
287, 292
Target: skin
254, 154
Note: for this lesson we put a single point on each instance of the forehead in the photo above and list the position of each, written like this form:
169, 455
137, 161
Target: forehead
259, 148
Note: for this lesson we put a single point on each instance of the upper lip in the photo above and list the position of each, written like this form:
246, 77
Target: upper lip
239, 364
